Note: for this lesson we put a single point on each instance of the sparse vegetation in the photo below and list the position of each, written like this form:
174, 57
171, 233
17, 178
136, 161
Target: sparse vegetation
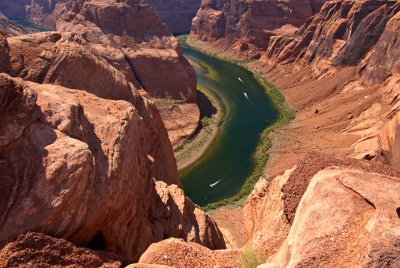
261, 154
250, 258
182, 40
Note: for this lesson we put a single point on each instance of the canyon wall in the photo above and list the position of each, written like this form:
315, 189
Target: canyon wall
339, 71
9, 28
249, 25
343, 60
141, 49
44, 12
83, 155
177, 14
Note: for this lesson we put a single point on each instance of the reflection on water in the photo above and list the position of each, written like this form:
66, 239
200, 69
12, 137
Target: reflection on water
225, 166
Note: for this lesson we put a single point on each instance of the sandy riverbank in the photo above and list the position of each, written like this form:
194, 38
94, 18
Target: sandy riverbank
212, 112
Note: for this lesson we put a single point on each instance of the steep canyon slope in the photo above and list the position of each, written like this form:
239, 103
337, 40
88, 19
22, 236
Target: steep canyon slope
70, 163
142, 49
249, 24
83, 155
339, 70
44, 12
343, 60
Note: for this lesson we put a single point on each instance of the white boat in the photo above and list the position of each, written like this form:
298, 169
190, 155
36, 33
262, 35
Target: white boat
240, 79
245, 94
215, 183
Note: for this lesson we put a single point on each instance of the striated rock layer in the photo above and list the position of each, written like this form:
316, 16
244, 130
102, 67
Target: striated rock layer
339, 72
177, 14
249, 24
142, 49
344, 61
64, 152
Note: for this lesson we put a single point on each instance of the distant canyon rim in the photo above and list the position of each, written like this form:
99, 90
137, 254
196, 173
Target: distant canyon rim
90, 113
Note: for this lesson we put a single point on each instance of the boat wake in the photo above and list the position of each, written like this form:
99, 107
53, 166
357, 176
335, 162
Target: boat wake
215, 183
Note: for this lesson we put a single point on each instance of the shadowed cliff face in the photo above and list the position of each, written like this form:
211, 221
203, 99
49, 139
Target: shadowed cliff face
44, 12
10, 28
177, 14
90, 163
142, 49
250, 24
341, 34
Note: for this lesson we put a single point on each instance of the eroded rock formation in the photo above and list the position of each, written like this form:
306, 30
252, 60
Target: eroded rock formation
141, 49
345, 218
39, 250
177, 253
325, 212
178, 14
86, 161
342, 33
250, 25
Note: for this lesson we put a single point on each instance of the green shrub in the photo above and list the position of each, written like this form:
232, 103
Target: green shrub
260, 157
250, 258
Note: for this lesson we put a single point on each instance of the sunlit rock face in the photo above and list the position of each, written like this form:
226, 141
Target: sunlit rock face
140, 48
85, 157
249, 25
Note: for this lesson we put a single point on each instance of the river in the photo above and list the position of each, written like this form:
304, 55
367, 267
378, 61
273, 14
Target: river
226, 164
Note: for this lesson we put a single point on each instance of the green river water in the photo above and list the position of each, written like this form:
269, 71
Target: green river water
223, 169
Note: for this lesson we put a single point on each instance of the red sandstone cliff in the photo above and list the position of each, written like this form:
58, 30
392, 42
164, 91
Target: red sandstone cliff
340, 72
83, 156
325, 212
177, 14
140, 49
249, 25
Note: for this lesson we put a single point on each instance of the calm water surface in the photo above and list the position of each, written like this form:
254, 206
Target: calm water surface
248, 112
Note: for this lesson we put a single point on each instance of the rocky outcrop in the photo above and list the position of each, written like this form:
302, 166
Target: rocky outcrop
359, 230
140, 49
389, 140
174, 215
265, 222
66, 194
67, 60
177, 14
250, 24
342, 33
39, 250
65, 152
177, 253
314, 214
4, 53
384, 59
45, 12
